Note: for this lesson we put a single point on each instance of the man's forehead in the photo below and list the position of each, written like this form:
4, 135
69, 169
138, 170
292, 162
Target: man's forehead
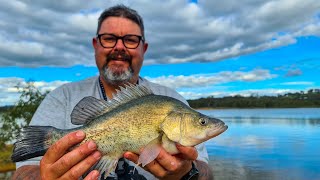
119, 23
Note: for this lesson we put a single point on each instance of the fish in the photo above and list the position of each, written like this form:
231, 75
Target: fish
135, 120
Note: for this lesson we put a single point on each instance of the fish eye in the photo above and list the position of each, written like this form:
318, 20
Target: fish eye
203, 121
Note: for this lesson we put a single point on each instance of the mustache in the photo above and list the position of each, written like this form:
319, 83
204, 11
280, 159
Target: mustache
116, 55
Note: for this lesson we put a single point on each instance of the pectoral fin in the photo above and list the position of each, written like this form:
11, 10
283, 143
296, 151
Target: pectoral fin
169, 146
150, 152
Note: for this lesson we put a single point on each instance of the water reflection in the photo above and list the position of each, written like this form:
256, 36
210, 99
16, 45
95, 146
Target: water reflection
236, 170
290, 116
268, 120
264, 144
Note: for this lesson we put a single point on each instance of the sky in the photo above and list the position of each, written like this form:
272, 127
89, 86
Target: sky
199, 48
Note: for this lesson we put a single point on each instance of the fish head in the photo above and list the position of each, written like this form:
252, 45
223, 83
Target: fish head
191, 128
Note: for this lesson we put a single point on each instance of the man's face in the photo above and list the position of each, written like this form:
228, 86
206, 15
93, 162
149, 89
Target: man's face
119, 64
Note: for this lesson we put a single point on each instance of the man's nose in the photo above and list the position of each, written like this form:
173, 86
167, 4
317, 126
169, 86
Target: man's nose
120, 45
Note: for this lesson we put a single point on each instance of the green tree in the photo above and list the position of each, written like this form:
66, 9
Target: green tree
21, 113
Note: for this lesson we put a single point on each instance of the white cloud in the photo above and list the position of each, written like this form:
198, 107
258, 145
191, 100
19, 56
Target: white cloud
190, 87
294, 72
203, 80
245, 93
84, 22
20, 49
249, 140
304, 83
45, 33
9, 94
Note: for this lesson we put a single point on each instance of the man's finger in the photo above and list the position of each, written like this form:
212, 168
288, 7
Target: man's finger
58, 149
131, 157
167, 161
82, 167
153, 167
92, 175
73, 157
164, 159
187, 153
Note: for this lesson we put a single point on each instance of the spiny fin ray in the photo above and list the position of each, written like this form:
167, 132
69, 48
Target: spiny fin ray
90, 107
105, 166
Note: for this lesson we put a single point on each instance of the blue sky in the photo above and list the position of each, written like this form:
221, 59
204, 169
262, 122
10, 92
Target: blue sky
204, 48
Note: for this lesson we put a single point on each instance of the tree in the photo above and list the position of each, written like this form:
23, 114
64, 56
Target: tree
21, 113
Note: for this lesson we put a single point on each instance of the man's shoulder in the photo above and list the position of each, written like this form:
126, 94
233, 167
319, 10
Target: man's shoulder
78, 85
74, 91
157, 88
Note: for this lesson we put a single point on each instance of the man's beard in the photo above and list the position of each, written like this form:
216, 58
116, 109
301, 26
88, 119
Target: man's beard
117, 77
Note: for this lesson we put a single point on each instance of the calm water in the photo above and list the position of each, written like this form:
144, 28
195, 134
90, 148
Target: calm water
267, 144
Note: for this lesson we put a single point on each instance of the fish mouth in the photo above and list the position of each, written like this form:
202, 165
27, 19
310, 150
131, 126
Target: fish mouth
218, 129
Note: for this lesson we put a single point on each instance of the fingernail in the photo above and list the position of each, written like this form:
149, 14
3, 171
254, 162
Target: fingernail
95, 175
80, 134
126, 155
97, 155
172, 163
92, 145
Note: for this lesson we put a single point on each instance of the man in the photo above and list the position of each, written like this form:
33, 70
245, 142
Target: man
119, 51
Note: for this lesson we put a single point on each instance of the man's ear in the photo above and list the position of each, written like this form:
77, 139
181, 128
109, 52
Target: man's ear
145, 47
95, 43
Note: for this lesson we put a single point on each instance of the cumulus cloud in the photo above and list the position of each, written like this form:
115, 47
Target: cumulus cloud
293, 72
9, 93
190, 87
245, 93
49, 33
202, 80
305, 83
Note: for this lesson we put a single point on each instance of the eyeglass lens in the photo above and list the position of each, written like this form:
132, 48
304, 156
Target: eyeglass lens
110, 40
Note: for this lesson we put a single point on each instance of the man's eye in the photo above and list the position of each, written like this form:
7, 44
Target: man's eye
131, 40
109, 39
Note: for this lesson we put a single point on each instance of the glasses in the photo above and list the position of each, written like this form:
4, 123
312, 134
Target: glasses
130, 41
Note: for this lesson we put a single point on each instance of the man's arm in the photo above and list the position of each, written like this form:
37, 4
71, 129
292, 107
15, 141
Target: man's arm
205, 172
27, 172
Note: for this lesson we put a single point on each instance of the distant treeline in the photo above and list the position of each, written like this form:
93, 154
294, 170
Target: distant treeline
311, 98
5, 108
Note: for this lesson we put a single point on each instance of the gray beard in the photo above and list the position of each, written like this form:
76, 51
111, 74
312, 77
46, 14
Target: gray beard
117, 78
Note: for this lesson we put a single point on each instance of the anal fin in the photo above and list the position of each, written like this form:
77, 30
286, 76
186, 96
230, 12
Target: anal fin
105, 166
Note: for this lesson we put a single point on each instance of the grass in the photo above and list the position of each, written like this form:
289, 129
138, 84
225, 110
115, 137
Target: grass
5, 159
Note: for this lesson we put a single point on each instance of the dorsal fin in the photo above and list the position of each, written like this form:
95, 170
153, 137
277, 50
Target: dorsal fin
89, 107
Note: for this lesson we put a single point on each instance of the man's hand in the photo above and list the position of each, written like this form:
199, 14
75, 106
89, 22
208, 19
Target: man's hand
167, 166
61, 163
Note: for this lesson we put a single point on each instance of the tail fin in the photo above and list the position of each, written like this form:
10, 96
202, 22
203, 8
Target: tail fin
33, 141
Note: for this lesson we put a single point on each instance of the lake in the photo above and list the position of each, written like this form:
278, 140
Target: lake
266, 144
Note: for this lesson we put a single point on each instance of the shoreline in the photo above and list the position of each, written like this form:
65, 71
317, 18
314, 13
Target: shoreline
222, 108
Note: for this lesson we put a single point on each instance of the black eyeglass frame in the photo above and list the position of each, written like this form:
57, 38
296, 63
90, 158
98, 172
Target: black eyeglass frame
141, 38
